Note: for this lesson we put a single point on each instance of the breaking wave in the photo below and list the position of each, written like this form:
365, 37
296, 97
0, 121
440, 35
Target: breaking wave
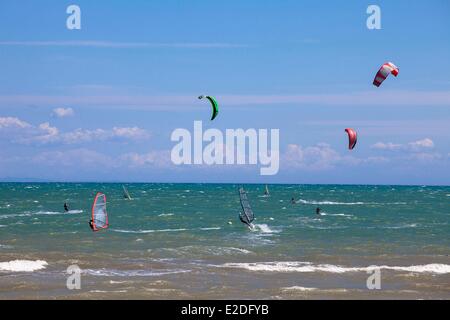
289, 266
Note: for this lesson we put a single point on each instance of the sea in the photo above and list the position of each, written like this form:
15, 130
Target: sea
185, 241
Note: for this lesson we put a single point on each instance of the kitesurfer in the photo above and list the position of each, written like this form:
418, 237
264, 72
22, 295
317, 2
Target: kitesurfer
91, 224
318, 211
66, 207
293, 201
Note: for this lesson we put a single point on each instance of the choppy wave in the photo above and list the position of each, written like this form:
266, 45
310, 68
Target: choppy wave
41, 212
336, 214
302, 201
165, 214
197, 251
329, 202
75, 211
214, 250
131, 273
164, 230
264, 228
298, 288
295, 266
403, 226
23, 265
148, 231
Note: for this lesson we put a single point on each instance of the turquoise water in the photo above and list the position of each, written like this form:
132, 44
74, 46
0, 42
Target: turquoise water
190, 237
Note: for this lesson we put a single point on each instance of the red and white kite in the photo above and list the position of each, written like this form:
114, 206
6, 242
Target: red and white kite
385, 70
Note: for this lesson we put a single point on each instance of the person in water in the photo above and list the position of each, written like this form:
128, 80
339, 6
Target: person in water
66, 207
91, 224
293, 201
318, 211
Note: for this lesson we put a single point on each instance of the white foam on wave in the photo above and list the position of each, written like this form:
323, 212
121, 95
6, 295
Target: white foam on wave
295, 266
298, 288
404, 226
164, 230
41, 212
165, 214
213, 250
148, 231
23, 265
131, 273
336, 214
75, 211
329, 202
14, 215
47, 213
264, 228
302, 201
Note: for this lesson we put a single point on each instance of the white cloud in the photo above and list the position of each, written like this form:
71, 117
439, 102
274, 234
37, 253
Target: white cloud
376, 160
81, 135
418, 145
386, 146
424, 143
130, 132
424, 157
49, 133
63, 112
157, 158
318, 157
12, 122
89, 158
75, 158
121, 133
44, 133
323, 157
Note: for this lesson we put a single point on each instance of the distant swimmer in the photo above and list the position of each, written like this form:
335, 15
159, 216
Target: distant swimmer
318, 211
293, 201
66, 207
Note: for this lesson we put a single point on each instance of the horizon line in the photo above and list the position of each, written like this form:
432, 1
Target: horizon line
230, 183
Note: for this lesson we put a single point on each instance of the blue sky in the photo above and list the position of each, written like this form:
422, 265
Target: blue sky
133, 72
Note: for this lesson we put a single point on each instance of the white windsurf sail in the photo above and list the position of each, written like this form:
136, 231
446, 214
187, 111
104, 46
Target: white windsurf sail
99, 214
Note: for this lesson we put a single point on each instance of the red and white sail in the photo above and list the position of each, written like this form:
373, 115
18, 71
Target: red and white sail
99, 214
385, 70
